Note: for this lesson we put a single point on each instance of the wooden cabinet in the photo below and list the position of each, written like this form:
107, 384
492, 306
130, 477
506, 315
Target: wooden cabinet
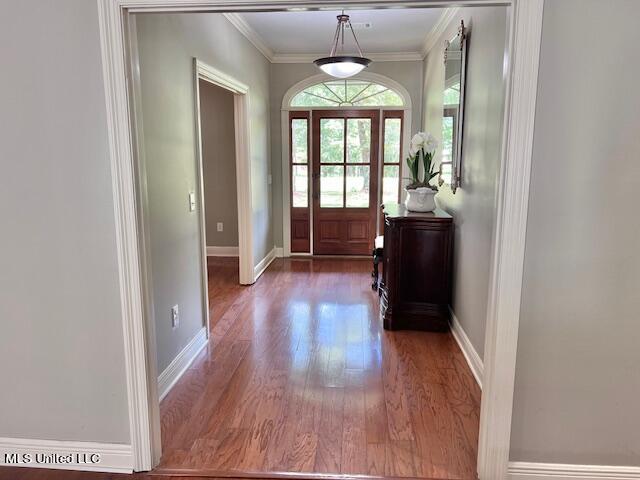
416, 281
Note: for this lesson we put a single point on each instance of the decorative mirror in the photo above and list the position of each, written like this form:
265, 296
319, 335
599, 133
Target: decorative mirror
455, 53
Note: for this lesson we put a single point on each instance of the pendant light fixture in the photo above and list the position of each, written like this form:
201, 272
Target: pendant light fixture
343, 66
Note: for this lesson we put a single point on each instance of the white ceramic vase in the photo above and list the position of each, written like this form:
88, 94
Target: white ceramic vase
420, 199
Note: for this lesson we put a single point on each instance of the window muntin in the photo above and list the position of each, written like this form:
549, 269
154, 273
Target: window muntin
347, 93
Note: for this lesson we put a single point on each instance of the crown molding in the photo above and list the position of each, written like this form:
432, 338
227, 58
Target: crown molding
438, 29
250, 34
376, 57
254, 37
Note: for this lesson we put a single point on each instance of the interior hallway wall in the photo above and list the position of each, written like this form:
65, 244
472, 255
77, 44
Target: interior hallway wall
167, 45
286, 75
219, 164
578, 375
473, 206
61, 346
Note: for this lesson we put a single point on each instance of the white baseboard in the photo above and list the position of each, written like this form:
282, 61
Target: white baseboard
223, 251
546, 471
90, 456
168, 378
279, 252
473, 359
264, 263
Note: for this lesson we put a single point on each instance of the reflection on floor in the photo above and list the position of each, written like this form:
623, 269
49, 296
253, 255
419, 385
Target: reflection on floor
299, 376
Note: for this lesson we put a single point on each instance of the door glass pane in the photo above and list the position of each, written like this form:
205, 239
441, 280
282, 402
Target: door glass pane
300, 186
390, 183
359, 140
392, 127
332, 140
331, 186
358, 186
299, 138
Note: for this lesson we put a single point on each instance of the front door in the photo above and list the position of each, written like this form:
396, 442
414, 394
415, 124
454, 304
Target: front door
345, 181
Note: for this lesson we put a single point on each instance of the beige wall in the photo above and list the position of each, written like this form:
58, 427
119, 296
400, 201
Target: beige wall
167, 45
286, 75
473, 205
61, 344
578, 365
219, 164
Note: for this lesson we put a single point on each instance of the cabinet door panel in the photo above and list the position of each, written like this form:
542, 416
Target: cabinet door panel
424, 276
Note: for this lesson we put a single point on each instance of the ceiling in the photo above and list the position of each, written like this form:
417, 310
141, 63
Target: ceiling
386, 33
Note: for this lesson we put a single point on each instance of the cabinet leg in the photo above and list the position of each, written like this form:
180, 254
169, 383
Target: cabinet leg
374, 274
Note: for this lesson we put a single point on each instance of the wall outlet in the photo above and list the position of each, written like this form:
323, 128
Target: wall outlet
175, 316
220, 226
192, 201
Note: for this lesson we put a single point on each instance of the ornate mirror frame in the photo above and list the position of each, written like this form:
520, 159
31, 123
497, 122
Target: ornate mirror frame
456, 154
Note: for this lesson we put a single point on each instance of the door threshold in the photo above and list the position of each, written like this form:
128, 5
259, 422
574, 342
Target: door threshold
240, 474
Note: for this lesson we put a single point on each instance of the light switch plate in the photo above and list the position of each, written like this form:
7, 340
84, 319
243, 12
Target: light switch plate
220, 226
192, 201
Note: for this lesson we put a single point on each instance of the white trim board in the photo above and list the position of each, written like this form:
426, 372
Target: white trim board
546, 471
250, 34
438, 29
114, 457
168, 378
471, 356
264, 263
223, 251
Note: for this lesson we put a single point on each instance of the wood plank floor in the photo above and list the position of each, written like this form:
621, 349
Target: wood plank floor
299, 376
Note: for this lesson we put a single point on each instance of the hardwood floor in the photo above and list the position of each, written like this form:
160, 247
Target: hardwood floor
300, 377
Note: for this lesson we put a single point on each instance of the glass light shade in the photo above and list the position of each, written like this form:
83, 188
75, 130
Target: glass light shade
342, 66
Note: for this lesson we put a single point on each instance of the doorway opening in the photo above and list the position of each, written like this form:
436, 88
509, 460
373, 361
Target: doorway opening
505, 273
217, 139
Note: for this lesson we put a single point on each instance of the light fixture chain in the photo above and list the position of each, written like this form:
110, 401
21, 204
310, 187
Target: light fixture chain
342, 23
336, 37
354, 37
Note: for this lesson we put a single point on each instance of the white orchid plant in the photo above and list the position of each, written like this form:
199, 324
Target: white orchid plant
423, 147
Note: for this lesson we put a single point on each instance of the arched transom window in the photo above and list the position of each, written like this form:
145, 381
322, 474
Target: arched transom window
347, 93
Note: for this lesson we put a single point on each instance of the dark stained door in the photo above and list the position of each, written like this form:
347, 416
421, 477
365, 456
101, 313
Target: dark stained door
345, 181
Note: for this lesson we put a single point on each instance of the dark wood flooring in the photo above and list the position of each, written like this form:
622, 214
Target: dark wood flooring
299, 376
